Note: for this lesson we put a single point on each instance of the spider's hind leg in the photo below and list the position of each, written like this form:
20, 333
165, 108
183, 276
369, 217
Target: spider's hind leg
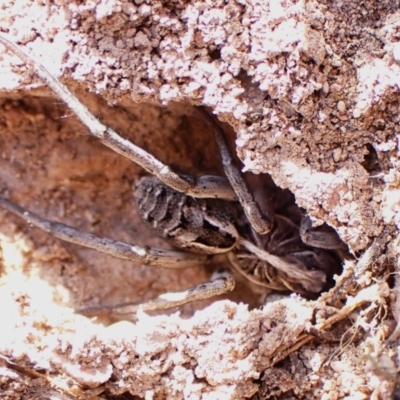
221, 282
143, 255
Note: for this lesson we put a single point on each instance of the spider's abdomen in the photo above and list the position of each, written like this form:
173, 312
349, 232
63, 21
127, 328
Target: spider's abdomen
201, 225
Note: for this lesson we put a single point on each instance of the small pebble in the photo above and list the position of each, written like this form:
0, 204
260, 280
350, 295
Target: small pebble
336, 154
356, 113
341, 106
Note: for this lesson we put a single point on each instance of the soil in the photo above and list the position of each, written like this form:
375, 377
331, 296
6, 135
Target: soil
307, 92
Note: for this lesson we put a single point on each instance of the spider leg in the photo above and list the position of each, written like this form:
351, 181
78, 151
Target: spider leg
205, 186
143, 255
324, 236
221, 282
267, 283
261, 223
310, 279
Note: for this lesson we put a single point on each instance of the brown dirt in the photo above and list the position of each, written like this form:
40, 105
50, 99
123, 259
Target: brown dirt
311, 90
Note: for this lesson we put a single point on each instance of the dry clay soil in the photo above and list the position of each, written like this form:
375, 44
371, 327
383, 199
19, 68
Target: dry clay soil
307, 92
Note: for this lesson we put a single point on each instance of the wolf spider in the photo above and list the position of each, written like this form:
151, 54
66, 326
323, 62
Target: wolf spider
275, 247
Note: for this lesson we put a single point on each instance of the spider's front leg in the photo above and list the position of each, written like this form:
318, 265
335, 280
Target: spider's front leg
322, 237
260, 220
202, 187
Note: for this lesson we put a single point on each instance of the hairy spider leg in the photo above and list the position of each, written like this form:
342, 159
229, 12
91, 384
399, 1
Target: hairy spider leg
204, 186
221, 282
261, 223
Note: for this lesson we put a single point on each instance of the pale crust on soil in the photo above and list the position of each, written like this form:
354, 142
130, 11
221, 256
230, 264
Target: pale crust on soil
311, 92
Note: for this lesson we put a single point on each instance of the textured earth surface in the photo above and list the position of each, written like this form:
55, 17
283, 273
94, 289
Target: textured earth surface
309, 95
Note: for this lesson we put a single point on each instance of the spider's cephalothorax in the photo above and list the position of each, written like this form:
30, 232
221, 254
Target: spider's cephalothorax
215, 226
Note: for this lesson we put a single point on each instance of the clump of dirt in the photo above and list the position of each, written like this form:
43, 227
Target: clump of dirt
310, 90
